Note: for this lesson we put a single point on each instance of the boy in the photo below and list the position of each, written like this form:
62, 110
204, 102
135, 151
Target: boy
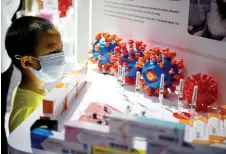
35, 47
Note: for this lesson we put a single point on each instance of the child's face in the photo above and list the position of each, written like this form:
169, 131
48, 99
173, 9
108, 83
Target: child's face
47, 43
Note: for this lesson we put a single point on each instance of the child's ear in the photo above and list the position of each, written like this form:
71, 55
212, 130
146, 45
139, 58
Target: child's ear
30, 63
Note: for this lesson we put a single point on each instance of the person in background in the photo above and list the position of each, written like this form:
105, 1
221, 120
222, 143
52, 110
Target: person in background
35, 48
216, 21
9, 8
198, 11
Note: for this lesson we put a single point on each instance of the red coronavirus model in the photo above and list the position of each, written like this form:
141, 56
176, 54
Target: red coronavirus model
207, 91
126, 55
158, 61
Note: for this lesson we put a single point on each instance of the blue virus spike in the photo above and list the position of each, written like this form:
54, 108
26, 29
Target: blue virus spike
161, 62
128, 56
102, 49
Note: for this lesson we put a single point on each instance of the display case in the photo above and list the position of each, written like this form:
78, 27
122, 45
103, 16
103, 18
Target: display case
154, 81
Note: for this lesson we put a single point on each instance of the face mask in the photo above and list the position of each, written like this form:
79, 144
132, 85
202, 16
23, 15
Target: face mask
52, 67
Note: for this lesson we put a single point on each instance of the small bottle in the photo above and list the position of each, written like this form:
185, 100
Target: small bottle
161, 92
137, 86
161, 88
123, 82
123, 77
180, 94
194, 99
119, 74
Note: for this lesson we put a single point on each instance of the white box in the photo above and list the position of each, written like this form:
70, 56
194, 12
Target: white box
157, 147
215, 128
53, 102
74, 90
152, 129
53, 142
71, 79
95, 134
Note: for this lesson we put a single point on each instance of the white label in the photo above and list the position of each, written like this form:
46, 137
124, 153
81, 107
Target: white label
52, 145
104, 139
216, 126
200, 131
151, 132
188, 133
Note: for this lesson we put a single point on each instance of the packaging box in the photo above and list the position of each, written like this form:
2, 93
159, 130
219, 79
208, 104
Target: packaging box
76, 74
106, 150
59, 99
79, 69
197, 130
188, 135
67, 80
95, 134
51, 141
73, 82
151, 129
73, 91
216, 128
46, 138
53, 102
224, 120
157, 147
200, 130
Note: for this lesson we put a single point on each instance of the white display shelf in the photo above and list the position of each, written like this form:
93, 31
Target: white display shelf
104, 89
100, 88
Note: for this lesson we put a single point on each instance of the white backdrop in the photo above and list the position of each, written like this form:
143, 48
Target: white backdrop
163, 23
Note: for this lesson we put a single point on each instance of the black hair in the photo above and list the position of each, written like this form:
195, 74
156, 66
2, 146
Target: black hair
21, 36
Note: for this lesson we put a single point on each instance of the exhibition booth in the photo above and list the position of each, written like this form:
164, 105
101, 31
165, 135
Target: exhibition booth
143, 76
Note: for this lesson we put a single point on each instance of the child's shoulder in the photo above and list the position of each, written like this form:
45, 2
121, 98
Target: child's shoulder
23, 97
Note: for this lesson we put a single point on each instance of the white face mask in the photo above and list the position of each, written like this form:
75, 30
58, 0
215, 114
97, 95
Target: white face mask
52, 67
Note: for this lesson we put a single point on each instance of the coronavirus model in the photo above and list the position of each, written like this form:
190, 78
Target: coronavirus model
156, 62
127, 55
207, 91
102, 49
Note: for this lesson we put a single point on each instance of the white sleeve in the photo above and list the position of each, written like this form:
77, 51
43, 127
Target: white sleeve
6, 61
9, 7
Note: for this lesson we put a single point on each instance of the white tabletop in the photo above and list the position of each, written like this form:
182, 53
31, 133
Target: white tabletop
100, 88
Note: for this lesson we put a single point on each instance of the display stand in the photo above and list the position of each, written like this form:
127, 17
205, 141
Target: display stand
155, 23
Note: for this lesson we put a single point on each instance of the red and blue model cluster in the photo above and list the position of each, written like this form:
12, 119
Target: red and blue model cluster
109, 52
102, 49
127, 56
158, 61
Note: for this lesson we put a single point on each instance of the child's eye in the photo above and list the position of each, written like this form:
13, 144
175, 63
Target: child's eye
53, 52
56, 51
